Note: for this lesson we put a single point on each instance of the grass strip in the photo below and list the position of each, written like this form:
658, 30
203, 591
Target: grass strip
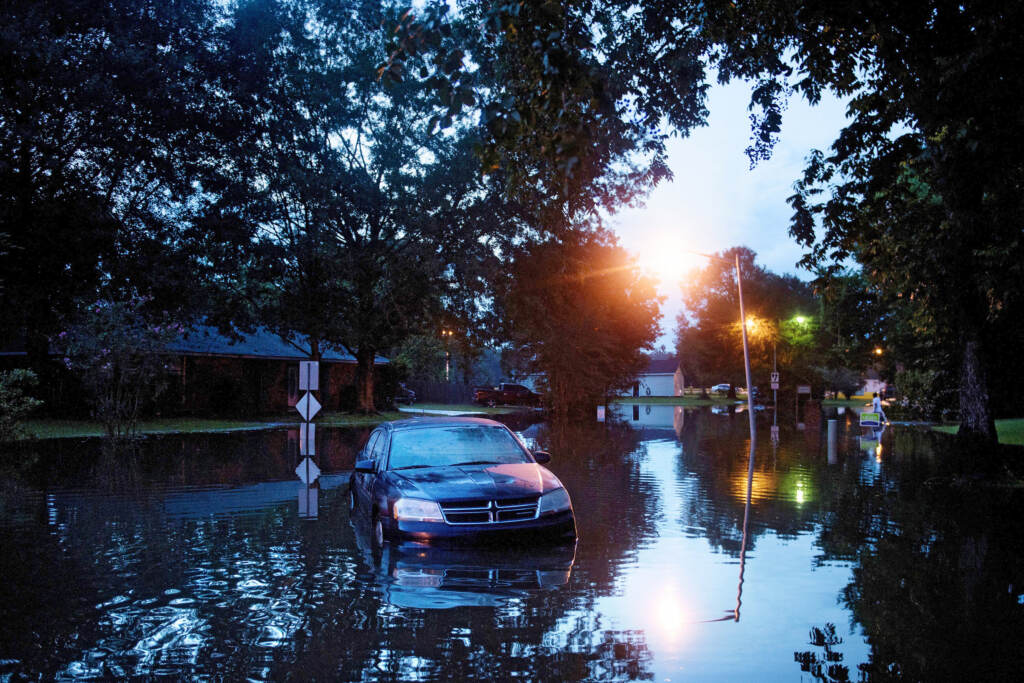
1009, 431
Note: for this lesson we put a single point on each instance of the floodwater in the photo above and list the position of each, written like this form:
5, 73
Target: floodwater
207, 557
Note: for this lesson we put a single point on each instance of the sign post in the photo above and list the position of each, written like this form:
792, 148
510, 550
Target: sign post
308, 407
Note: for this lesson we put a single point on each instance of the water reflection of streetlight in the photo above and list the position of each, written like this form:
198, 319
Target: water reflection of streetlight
446, 335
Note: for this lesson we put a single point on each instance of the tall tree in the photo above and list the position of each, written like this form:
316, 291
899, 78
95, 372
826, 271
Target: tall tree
371, 223
923, 185
579, 311
113, 118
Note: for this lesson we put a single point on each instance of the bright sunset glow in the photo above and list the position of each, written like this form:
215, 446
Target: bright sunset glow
665, 255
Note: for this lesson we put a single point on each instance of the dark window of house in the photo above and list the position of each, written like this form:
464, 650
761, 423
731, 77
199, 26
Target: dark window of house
293, 384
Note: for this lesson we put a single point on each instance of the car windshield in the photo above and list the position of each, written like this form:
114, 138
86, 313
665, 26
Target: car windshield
454, 445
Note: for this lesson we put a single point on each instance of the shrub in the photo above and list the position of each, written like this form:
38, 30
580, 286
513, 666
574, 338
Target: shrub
918, 394
15, 403
117, 350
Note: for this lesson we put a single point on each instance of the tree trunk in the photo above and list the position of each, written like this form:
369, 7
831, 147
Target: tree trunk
976, 421
364, 380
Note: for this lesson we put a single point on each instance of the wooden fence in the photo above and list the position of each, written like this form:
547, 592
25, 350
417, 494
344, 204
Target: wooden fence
441, 392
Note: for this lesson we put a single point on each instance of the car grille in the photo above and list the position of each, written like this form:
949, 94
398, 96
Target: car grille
490, 511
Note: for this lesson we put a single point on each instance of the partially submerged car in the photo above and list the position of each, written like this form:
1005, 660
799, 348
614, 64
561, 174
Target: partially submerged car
457, 478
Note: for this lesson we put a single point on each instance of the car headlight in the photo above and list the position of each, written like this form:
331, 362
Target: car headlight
555, 501
415, 510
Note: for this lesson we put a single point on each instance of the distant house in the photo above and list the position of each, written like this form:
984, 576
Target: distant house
258, 373
661, 378
872, 383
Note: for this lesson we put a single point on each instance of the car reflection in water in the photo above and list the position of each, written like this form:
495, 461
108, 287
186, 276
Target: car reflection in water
430, 576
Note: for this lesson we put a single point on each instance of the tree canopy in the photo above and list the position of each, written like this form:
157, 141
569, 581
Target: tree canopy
579, 312
934, 123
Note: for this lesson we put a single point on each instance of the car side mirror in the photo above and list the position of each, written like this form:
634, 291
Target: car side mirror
542, 457
364, 466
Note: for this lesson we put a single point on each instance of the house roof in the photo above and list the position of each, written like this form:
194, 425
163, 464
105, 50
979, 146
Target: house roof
204, 340
666, 366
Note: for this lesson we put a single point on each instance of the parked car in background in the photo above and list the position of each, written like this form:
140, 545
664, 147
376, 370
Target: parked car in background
720, 388
404, 394
505, 394
456, 478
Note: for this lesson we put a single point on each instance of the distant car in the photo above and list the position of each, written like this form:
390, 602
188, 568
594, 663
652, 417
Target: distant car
505, 394
404, 394
720, 388
464, 478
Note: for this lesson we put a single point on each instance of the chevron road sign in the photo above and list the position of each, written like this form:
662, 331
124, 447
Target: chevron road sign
307, 406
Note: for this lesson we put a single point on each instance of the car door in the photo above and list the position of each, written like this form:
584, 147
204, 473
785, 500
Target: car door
378, 453
363, 480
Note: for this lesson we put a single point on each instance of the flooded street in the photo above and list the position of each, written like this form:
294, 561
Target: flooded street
207, 556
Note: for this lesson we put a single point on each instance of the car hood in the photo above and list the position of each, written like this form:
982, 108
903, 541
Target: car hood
467, 482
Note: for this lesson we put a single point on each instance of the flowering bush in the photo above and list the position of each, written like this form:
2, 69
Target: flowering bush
118, 350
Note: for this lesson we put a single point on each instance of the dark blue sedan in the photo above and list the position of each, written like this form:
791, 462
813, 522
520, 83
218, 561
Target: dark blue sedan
456, 478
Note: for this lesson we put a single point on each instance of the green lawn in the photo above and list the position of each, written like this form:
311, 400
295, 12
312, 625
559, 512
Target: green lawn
466, 408
63, 429
677, 400
1010, 431
847, 402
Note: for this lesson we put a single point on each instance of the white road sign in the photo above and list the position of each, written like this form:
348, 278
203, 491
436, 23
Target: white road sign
309, 375
309, 497
307, 439
775, 378
307, 471
307, 406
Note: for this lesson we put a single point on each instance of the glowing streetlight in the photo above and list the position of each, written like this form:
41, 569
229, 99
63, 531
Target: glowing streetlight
878, 351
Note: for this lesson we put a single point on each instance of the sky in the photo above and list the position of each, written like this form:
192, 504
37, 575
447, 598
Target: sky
716, 201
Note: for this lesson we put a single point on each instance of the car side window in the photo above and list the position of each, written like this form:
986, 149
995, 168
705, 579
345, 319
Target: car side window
378, 450
370, 443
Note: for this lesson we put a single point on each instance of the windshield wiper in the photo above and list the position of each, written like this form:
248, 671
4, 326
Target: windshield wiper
410, 467
477, 462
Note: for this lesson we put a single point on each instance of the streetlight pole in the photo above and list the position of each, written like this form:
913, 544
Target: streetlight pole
746, 351
746, 348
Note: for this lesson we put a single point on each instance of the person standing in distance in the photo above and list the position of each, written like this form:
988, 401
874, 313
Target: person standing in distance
876, 407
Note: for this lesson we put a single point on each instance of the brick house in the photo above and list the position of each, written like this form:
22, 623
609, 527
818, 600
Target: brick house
257, 374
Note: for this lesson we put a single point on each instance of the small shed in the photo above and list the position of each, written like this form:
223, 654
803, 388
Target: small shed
662, 377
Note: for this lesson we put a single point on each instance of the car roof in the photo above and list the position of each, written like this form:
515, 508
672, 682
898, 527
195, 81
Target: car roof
445, 421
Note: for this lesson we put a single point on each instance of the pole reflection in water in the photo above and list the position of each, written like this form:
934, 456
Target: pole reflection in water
734, 614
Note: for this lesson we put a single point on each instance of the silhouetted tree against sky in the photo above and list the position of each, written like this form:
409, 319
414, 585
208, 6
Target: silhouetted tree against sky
579, 311
114, 121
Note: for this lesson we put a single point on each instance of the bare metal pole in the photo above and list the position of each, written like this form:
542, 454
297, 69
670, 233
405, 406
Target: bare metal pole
746, 351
